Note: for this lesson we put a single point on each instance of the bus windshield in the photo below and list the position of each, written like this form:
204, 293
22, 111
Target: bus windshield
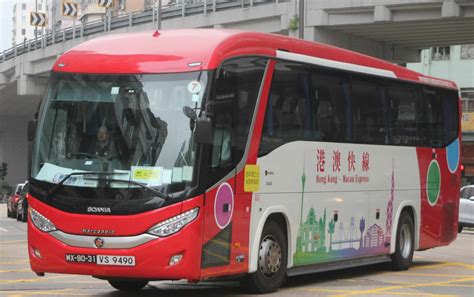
132, 127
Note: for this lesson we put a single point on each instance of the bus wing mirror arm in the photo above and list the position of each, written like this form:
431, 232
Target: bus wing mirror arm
203, 131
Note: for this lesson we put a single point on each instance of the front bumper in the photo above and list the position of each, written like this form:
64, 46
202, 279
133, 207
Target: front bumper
151, 258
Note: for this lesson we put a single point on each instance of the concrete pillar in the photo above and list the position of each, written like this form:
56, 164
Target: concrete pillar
27, 85
14, 147
382, 14
369, 47
450, 9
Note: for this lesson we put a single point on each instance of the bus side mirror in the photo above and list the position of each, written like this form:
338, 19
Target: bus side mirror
203, 131
31, 130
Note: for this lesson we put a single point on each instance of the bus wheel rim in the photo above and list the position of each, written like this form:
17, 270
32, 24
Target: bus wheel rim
405, 241
270, 256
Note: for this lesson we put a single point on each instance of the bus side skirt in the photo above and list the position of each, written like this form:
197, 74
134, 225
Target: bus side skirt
336, 265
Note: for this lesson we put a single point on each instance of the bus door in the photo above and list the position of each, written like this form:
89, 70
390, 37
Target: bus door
219, 201
227, 217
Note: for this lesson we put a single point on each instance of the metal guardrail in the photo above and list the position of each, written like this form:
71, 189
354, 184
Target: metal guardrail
150, 15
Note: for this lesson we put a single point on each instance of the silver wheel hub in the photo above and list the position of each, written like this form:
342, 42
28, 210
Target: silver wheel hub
269, 257
405, 241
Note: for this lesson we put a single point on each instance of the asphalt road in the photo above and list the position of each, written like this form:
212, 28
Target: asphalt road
445, 271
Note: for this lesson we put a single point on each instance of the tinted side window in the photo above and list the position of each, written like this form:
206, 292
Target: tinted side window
232, 108
288, 116
368, 112
404, 115
332, 105
433, 114
450, 115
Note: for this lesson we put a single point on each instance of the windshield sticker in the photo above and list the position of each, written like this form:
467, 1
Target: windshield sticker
252, 178
177, 174
167, 173
88, 163
51, 173
187, 173
71, 181
194, 87
149, 175
54, 174
114, 90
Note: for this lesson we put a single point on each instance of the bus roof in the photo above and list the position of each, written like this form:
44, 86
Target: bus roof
169, 51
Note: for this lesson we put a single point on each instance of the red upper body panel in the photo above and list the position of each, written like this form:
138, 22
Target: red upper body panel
171, 51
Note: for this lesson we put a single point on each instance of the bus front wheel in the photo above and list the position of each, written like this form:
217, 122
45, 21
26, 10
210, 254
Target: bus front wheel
128, 285
272, 260
405, 243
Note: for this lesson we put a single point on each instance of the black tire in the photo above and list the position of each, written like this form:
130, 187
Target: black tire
18, 217
270, 273
405, 243
460, 229
128, 285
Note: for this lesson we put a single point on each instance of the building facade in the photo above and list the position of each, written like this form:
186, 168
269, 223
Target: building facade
21, 28
456, 63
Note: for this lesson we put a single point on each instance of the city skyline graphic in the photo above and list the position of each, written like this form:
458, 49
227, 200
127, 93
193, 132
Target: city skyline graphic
321, 239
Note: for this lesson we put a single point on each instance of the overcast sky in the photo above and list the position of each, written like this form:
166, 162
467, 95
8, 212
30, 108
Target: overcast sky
6, 12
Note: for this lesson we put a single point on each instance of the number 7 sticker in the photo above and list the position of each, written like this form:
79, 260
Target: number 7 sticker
194, 87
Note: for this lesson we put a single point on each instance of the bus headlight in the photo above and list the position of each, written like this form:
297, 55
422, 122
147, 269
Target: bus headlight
40, 221
174, 224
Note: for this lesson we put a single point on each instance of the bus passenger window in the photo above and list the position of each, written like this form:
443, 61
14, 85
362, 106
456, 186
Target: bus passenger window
405, 116
288, 115
330, 105
368, 113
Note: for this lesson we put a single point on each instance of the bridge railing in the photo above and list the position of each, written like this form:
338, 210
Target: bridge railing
109, 23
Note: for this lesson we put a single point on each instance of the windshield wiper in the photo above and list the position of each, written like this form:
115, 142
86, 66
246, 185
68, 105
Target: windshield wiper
61, 182
148, 188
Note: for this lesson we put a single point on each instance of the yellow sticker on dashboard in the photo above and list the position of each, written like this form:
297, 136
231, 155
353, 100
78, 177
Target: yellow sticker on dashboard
252, 178
148, 175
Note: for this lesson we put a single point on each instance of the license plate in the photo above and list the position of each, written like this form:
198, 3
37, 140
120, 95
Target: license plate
101, 259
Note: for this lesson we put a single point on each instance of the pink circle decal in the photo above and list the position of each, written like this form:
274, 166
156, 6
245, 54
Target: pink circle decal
224, 205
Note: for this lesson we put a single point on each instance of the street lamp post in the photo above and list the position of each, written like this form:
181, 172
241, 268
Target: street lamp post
301, 19
159, 15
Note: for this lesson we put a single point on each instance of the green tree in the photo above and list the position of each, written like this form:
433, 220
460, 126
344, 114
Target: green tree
331, 232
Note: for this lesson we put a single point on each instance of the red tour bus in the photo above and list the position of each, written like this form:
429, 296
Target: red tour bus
208, 154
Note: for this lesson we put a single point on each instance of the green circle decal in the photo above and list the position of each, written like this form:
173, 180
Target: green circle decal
433, 182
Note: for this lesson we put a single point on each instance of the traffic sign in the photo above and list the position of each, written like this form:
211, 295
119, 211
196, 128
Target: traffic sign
105, 3
38, 19
70, 9
3, 170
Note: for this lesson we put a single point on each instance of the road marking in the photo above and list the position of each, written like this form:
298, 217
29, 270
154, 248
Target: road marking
15, 270
444, 264
390, 288
434, 274
3, 229
13, 241
14, 262
327, 290
32, 280
61, 292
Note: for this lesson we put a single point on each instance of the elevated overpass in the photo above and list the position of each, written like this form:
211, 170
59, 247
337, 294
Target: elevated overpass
393, 30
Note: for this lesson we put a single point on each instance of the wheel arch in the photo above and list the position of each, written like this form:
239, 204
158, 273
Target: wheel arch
280, 215
414, 211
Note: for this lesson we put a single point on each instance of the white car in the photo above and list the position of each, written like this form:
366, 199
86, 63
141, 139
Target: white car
466, 207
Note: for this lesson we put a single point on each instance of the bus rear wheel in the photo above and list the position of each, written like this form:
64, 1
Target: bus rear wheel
128, 285
272, 260
405, 243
